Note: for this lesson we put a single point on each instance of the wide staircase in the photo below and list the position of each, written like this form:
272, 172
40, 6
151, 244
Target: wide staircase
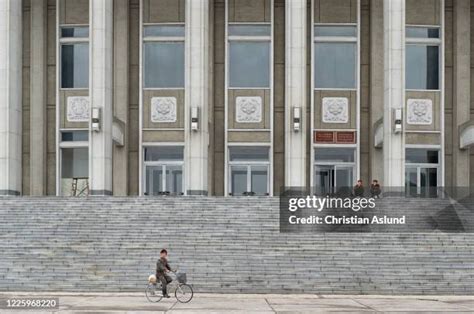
225, 245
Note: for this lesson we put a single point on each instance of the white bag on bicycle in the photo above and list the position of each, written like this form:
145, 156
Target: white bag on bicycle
152, 279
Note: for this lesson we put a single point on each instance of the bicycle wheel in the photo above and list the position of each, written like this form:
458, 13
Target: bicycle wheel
153, 292
184, 293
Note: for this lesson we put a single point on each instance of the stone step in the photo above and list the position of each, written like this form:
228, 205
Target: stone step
224, 244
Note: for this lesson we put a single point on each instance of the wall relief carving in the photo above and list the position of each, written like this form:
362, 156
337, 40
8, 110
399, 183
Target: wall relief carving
335, 110
419, 111
163, 109
78, 109
248, 109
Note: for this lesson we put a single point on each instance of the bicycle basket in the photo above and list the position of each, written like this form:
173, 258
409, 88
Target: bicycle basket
181, 277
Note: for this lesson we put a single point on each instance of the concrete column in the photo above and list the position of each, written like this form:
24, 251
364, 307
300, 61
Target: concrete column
197, 95
121, 41
10, 96
376, 85
38, 81
394, 91
101, 95
295, 92
462, 86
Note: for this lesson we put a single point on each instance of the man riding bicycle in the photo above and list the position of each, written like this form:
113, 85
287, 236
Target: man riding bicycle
162, 267
183, 292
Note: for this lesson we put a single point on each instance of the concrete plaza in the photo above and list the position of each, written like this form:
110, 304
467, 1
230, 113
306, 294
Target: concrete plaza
250, 303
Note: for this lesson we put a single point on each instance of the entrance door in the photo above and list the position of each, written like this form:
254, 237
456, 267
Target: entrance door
74, 171
421, 181
173, 179
324, 180
259, 180
164, 179
337, 179
249, 180
344, 180
422, 172
429, 182
238, 180
154, 180
411, 181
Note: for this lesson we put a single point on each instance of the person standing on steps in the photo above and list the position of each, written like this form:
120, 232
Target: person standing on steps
162, 267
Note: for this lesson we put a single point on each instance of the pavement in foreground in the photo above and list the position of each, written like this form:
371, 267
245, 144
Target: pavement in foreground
249, 303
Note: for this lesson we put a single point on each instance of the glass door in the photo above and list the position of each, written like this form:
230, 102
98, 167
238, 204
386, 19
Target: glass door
411, 181
74, 171
238, 177
324, 180
173, 179
164, 179
429, 182
154, 180
422, 172
163, 170
248, 171
344, 179
334, 170
337, 179
249, 180
421, 181
258, 180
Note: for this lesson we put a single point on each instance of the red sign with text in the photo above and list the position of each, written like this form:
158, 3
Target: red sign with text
335, 137
323, 137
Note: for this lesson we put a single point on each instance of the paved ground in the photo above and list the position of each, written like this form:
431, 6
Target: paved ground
252, 303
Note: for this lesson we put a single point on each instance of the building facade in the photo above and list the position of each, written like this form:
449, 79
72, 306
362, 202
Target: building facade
233, 97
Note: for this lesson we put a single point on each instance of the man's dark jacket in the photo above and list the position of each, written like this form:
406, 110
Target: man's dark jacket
161, 266
359, 191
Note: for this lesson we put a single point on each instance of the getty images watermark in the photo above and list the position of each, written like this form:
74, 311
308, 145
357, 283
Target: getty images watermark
397, 210
318, 204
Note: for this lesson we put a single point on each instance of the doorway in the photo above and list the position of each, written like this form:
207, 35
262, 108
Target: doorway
249, 171
163, 170
249, 180
74, 163
164, 179
334, 170
421, 181
422, 172
334, 179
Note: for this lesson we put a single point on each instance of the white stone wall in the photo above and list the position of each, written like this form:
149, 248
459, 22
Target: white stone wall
295, 92
10, 96
101, 95
197, 95
394, 91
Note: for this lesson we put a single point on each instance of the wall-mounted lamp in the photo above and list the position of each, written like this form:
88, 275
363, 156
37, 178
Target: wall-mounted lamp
398, 121
194, 118
296, 119
95, 120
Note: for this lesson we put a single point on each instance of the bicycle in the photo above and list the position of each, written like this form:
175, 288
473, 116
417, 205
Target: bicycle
183, 292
